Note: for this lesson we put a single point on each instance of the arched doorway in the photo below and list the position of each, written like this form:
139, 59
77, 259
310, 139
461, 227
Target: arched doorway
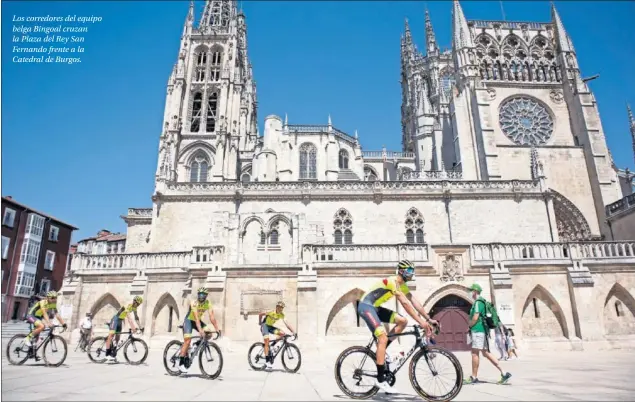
452, 312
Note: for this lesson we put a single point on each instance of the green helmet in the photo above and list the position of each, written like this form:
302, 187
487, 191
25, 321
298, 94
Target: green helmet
476, 287
138, 299
52, 294
202, 289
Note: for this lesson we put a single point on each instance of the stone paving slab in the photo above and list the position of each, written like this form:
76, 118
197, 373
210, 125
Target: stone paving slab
555, 376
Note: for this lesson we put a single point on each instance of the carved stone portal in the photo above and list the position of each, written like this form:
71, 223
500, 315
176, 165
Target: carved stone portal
452, 269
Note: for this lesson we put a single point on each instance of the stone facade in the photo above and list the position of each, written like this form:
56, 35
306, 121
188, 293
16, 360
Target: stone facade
502, 180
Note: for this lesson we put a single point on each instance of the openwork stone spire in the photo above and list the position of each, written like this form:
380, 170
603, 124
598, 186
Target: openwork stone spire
460, 31
431, 41
218, 14
564, 42
631, 122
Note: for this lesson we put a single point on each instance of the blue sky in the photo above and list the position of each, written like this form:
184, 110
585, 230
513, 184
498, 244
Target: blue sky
80, 142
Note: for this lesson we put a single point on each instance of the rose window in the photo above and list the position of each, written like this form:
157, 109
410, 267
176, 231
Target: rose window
525, 121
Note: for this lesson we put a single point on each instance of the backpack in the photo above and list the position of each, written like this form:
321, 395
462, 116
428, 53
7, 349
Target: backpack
490, 318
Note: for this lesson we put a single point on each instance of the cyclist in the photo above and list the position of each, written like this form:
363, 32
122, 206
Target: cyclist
267, 328
197, 309
374, 315
116, 325
40, 312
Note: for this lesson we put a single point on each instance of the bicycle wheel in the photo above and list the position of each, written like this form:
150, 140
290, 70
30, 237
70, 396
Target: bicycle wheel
290, 355
97, 350
17, 351
256, 356
430, 363
138, 346
359, 374
206, 355
171, 357
53, 346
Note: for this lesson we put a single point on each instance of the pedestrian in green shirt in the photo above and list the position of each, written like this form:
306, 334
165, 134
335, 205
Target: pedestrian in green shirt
479, 336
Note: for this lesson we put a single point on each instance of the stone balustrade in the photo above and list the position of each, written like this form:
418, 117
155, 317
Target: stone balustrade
140, 261
432, 175
207, 254
374, 253
553, 251
621, 205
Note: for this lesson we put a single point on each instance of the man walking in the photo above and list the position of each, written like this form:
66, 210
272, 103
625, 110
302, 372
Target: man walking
479, 337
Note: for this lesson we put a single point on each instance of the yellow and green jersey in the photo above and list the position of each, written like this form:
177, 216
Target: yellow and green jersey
382, 291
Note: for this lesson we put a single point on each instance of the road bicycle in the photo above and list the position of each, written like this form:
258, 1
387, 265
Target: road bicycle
18, 352
203, 347
426, 358
290, 353
97, 347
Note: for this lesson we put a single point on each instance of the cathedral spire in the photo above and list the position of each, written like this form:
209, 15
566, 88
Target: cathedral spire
218, 14
461, 36
407, 47
631, 122
564, 42
431, 42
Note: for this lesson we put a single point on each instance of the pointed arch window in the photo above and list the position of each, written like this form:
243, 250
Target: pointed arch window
201, 66
343, 225
197, 107
343, 159
215, 65
199, 168
308, 161
273, 237
212, 108
414, 226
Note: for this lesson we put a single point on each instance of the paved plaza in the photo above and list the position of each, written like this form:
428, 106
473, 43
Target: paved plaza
543, 376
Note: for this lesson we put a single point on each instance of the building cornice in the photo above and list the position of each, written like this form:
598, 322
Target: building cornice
341, 190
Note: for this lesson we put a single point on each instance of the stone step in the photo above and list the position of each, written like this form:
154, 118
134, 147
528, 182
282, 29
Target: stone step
13, 328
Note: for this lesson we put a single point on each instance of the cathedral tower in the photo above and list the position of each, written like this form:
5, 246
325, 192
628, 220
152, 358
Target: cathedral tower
210, 110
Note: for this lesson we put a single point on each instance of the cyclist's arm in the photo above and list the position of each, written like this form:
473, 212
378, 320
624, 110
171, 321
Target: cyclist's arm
289, 326
260, 315
409, 309
418, 306
212, 319
136, 318
59, 318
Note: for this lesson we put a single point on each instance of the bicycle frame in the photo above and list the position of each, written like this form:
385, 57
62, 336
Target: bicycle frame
284, 343
48, 336
418, 345
203, 341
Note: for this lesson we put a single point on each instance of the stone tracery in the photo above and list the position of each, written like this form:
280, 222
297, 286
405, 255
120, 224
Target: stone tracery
514, 60
525, 121
343, 225
414, 226
571, 224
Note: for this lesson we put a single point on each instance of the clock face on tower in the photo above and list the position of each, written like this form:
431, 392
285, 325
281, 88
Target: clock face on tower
525, 121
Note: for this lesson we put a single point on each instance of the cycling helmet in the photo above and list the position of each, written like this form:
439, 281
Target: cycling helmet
52, 294
138, 299
406, 270
202, 294
280, 304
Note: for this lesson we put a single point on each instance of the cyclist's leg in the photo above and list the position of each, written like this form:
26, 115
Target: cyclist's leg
188, 326
39, 326
112, 328
114, 335
368, 313
264, 330
392, 317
